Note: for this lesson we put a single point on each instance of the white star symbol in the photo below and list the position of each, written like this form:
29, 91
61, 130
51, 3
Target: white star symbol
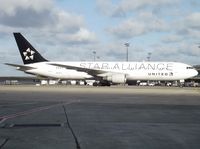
29, 54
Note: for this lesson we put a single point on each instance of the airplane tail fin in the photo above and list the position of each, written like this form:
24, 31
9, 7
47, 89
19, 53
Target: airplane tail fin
28, 53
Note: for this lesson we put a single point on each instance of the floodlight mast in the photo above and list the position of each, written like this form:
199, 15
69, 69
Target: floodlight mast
127, 45
94, 52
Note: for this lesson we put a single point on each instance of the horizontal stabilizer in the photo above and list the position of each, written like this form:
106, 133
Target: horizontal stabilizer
20, 67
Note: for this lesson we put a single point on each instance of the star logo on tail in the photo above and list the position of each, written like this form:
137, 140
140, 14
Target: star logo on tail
29, 54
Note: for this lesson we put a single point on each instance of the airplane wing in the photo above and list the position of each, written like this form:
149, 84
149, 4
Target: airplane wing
20, 67
92, 72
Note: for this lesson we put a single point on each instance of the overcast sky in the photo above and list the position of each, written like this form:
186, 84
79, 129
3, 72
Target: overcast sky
63, 30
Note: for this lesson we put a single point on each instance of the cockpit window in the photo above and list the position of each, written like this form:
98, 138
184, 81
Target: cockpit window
189, 67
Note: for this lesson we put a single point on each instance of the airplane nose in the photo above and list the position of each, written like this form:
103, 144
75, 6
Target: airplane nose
196, 72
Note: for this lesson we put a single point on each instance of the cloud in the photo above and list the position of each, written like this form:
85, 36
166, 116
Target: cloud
122, 7
82, 36
24, 13
128, 29
180, 52
172, 38
189, 50
184, 29
143, 18
43, 18
193, 21
27, 18
144, 23
11, 7
166, 28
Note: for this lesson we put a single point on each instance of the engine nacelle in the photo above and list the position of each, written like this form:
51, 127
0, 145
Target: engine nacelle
117, 78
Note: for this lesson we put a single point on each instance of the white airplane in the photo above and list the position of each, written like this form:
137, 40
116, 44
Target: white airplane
105, 72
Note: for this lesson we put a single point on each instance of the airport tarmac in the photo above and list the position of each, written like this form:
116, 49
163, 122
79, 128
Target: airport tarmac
37, 117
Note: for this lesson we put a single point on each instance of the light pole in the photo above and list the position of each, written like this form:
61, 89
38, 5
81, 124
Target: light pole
94, 52
127, 45
149, 56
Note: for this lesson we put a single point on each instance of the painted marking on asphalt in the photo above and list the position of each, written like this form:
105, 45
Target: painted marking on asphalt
18, 104
31, 111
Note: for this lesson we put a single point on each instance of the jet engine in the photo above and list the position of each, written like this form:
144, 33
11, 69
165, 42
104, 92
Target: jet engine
117, 78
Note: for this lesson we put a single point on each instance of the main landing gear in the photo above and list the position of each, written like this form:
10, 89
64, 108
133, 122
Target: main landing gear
101, 83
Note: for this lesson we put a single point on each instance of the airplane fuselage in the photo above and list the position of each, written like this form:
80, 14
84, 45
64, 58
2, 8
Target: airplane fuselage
131, 70
104, 72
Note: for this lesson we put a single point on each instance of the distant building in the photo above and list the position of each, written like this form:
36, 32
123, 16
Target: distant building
15, 80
